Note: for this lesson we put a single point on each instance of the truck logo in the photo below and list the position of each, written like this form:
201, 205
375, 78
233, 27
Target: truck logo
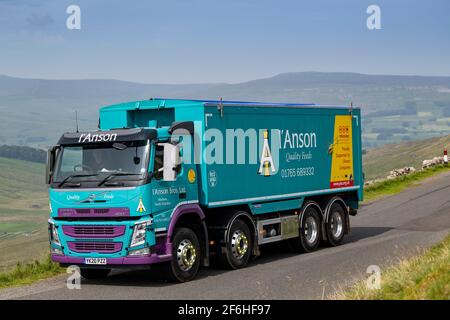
97, 137
266, 158
140, 208
93, 196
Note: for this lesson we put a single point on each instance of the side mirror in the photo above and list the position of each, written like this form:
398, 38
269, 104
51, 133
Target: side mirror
51, 155
171, 161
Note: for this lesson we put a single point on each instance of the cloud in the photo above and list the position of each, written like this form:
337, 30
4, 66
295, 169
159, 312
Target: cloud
40, 20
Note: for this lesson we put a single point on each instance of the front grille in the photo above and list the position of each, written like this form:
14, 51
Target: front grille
83, 211
101, 210
93, 212
99, 247
94, 231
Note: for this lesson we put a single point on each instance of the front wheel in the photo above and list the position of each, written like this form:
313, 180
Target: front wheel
185, 255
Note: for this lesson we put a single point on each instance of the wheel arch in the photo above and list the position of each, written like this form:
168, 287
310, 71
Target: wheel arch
308, 203
333, 200
190, 215
343, 204
246, 217
222, 220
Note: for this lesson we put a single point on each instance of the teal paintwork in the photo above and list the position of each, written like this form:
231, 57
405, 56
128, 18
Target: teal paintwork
240, 184
113, 198
232, 183
106, 198
276, 206
250, 187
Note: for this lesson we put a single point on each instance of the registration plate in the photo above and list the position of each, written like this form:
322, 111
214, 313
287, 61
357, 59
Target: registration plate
95, 260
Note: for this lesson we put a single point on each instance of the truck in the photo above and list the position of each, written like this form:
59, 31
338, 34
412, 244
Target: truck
181, 184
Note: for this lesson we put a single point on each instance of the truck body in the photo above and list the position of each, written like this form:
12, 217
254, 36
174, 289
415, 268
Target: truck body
183, 182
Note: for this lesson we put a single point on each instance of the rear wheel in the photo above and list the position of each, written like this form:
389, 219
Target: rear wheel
94, 274
238, 247
336, 225
185, 261
309, 233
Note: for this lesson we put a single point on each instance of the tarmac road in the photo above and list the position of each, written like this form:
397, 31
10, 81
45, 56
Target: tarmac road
382, 232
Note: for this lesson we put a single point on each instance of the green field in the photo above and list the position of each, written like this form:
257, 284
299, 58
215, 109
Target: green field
23, 212
379, 161
394, 186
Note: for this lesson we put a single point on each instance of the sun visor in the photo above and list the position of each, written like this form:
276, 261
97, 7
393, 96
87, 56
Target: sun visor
118, 135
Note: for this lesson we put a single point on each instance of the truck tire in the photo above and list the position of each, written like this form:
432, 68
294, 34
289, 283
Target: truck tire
238, 246
335, 225
309, 233
94, 274
186, 257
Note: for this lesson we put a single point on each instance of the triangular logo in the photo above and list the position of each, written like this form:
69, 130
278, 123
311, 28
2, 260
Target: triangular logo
141, 207
266, 158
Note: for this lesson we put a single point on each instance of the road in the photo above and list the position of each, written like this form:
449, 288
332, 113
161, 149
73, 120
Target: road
383, 231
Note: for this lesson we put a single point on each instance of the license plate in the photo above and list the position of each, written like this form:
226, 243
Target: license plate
95, 260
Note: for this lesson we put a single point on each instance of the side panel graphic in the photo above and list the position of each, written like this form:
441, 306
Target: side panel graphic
342, 157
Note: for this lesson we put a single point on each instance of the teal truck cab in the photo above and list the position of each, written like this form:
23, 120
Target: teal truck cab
179, 182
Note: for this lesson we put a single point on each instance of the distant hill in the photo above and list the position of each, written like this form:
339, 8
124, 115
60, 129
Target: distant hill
36, 112
23, 153
379, 161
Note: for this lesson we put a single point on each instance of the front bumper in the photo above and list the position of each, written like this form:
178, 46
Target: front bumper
79, 241
111, 262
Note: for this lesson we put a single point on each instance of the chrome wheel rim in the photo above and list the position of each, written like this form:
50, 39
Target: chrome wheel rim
336, 224
239, 244
311, 230
186, 255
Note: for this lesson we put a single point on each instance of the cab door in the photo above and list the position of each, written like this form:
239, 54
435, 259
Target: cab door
167, 194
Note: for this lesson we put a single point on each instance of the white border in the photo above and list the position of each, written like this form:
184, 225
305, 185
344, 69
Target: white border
280, 196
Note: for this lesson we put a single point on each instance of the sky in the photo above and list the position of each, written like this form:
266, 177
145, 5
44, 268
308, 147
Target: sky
226, 41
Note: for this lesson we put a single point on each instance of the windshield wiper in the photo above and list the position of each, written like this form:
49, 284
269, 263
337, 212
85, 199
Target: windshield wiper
116, 174
69, 178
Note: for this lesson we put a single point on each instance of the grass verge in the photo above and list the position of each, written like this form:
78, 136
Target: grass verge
28, 273
426, 276
393, 186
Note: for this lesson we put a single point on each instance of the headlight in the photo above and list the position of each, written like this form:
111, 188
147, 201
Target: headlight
139, 232
53, 233
56, 250
140, 252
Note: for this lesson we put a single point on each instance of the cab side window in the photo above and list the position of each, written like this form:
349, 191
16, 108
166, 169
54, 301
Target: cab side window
159, 162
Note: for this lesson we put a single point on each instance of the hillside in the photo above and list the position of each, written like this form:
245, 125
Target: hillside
36, 112
379, 161
23, 212
23, 153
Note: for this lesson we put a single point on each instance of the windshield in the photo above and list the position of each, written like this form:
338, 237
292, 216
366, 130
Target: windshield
100, 161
